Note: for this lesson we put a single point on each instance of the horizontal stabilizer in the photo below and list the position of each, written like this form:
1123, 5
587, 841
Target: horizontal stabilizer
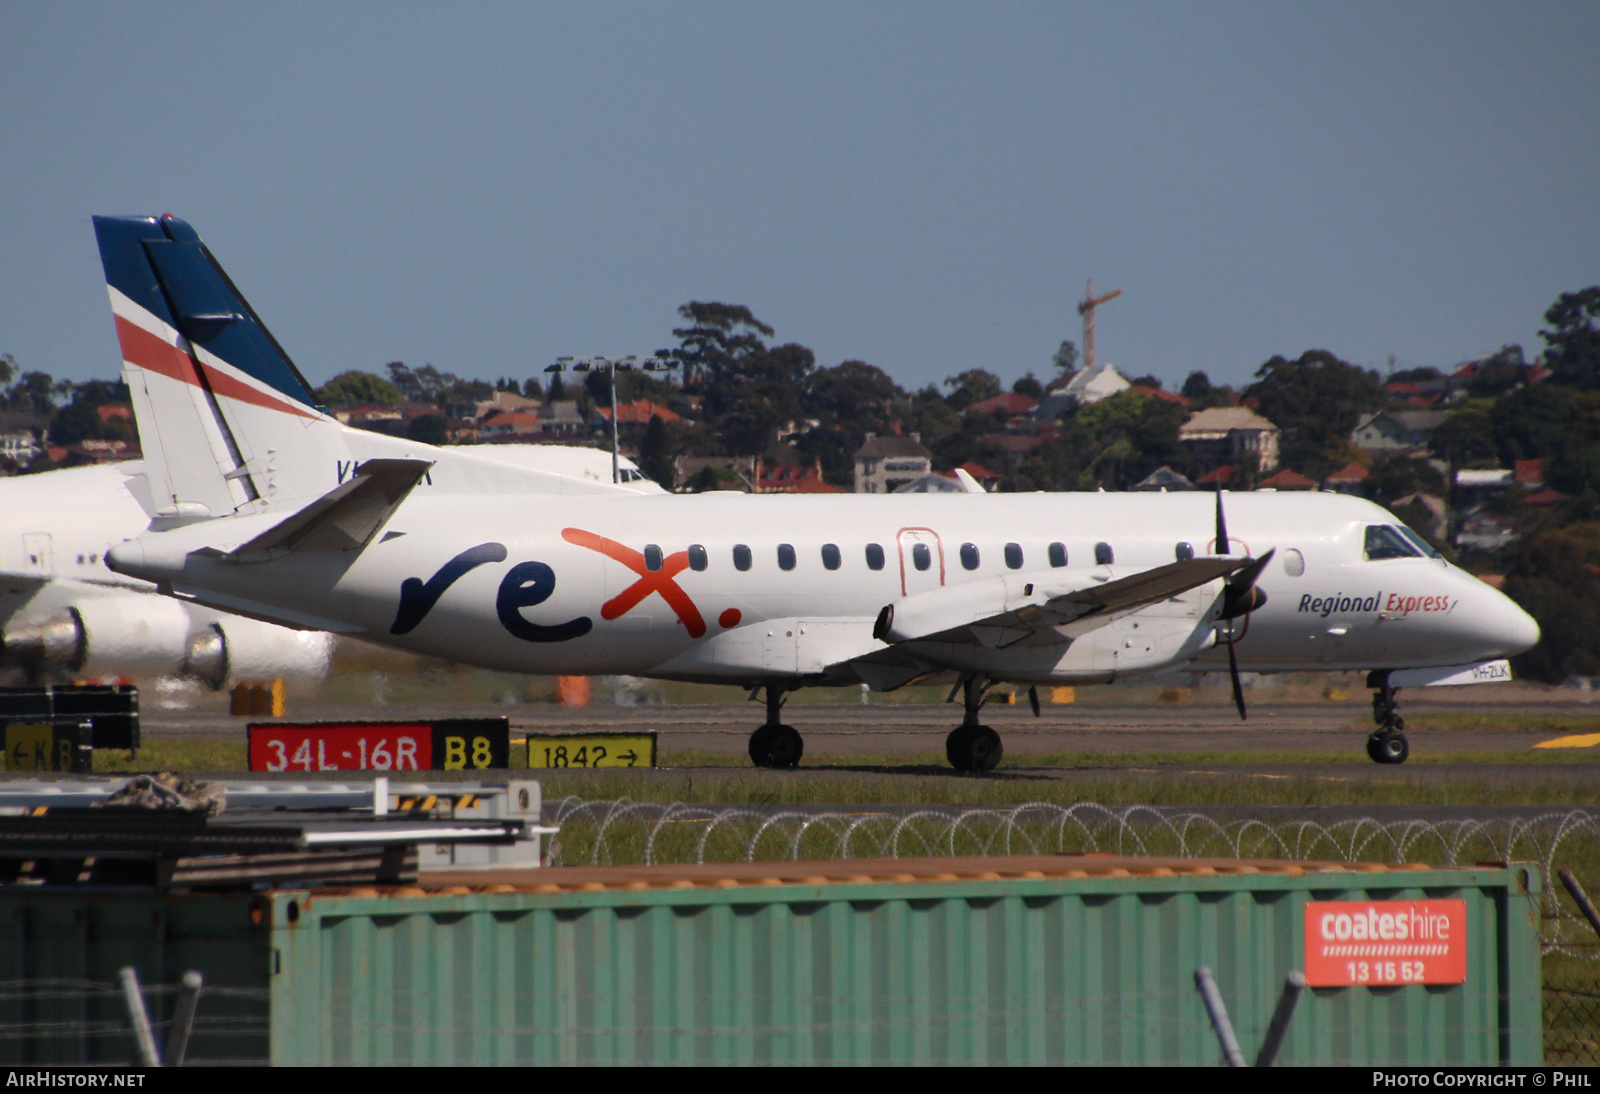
344, 519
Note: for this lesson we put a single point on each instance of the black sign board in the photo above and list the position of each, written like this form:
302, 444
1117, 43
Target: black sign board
112, 709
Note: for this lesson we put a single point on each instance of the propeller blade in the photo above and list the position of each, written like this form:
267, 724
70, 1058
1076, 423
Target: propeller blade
1033, 700
1222, 524
1238, 688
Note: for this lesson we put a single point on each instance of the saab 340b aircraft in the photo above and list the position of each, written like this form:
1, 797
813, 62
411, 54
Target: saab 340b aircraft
268, 507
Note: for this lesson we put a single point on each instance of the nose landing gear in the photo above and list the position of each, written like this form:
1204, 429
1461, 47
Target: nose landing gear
970, 746
1387, 745
775, 744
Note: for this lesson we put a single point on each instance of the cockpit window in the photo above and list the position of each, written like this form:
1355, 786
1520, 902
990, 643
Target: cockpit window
1423, 545
1385, 541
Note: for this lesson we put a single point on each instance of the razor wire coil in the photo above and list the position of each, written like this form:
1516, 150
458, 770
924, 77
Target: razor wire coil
649, 833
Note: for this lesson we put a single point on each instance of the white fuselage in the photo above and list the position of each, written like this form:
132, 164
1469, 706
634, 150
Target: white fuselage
564, 585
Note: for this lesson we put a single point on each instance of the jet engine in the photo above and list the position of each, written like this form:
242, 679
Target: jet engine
230, 648
150, 636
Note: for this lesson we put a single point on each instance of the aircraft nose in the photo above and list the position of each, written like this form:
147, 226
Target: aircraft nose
1521, 630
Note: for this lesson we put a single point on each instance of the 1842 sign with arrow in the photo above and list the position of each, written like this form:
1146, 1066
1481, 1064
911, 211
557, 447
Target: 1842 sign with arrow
591, 750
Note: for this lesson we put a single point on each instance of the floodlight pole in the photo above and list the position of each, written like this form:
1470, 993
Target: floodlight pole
654, 363
615, 472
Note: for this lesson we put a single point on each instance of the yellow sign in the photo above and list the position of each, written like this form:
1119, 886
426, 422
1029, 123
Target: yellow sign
591, 750
40, 748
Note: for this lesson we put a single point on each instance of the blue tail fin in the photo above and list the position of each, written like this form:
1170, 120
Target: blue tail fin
223, 413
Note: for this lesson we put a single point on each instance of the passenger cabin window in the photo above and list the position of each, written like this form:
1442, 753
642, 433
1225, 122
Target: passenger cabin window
741, 557
921, 556
1183, 551
1013, 556
969, 556
830, 555
1058, 554
874, 556
697, 557
1103, 555
1294, 563
652, 557
1385, 541
785, 556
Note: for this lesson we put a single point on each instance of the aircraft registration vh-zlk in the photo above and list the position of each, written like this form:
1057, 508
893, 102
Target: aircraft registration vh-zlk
268, 507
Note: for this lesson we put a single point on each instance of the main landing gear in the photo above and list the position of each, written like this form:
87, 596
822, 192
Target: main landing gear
775, 744
970, 746
1387, 745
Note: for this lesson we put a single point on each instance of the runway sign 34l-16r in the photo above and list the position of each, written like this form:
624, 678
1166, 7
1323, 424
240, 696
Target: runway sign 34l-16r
461, 744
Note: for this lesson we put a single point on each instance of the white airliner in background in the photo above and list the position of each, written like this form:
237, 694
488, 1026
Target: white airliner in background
267, 507
65, 615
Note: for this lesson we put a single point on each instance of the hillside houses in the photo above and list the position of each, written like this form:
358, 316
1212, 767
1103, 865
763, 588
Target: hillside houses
1080, 388
1391, 432
1232, 435
883, 464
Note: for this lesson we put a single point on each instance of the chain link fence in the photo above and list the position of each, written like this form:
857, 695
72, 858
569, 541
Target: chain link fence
1572, 1021
87, 1022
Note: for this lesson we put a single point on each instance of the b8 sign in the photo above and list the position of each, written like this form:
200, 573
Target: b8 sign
462, 744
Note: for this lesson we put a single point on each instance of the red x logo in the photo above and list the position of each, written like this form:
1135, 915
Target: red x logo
650, 581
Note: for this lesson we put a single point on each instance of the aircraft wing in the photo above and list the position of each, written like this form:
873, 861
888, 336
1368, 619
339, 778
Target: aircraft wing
16, 590
1008, 610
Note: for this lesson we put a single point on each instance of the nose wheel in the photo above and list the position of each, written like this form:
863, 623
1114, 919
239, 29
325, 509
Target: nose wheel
970, 746
1387, 745
1388, 748
775, 744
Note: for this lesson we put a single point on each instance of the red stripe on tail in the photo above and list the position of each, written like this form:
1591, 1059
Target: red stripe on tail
149, 351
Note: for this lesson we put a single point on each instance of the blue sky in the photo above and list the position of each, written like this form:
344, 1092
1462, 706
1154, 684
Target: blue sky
922, 186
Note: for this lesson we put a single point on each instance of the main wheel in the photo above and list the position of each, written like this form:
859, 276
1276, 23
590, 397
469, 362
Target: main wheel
1388, 748
776, 746
973, 748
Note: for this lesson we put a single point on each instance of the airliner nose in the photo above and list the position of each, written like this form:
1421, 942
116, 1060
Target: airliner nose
1521, 629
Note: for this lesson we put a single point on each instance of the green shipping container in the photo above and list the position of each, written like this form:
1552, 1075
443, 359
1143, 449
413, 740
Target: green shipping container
1058, 959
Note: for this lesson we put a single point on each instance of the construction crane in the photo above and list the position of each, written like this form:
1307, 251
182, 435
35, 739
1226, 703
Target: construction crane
1086, 309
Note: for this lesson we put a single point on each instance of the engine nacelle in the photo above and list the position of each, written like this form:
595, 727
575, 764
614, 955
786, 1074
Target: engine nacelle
151, 636
138, 636
104, 636
230, 648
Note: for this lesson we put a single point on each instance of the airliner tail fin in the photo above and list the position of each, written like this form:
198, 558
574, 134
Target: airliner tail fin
226, 421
